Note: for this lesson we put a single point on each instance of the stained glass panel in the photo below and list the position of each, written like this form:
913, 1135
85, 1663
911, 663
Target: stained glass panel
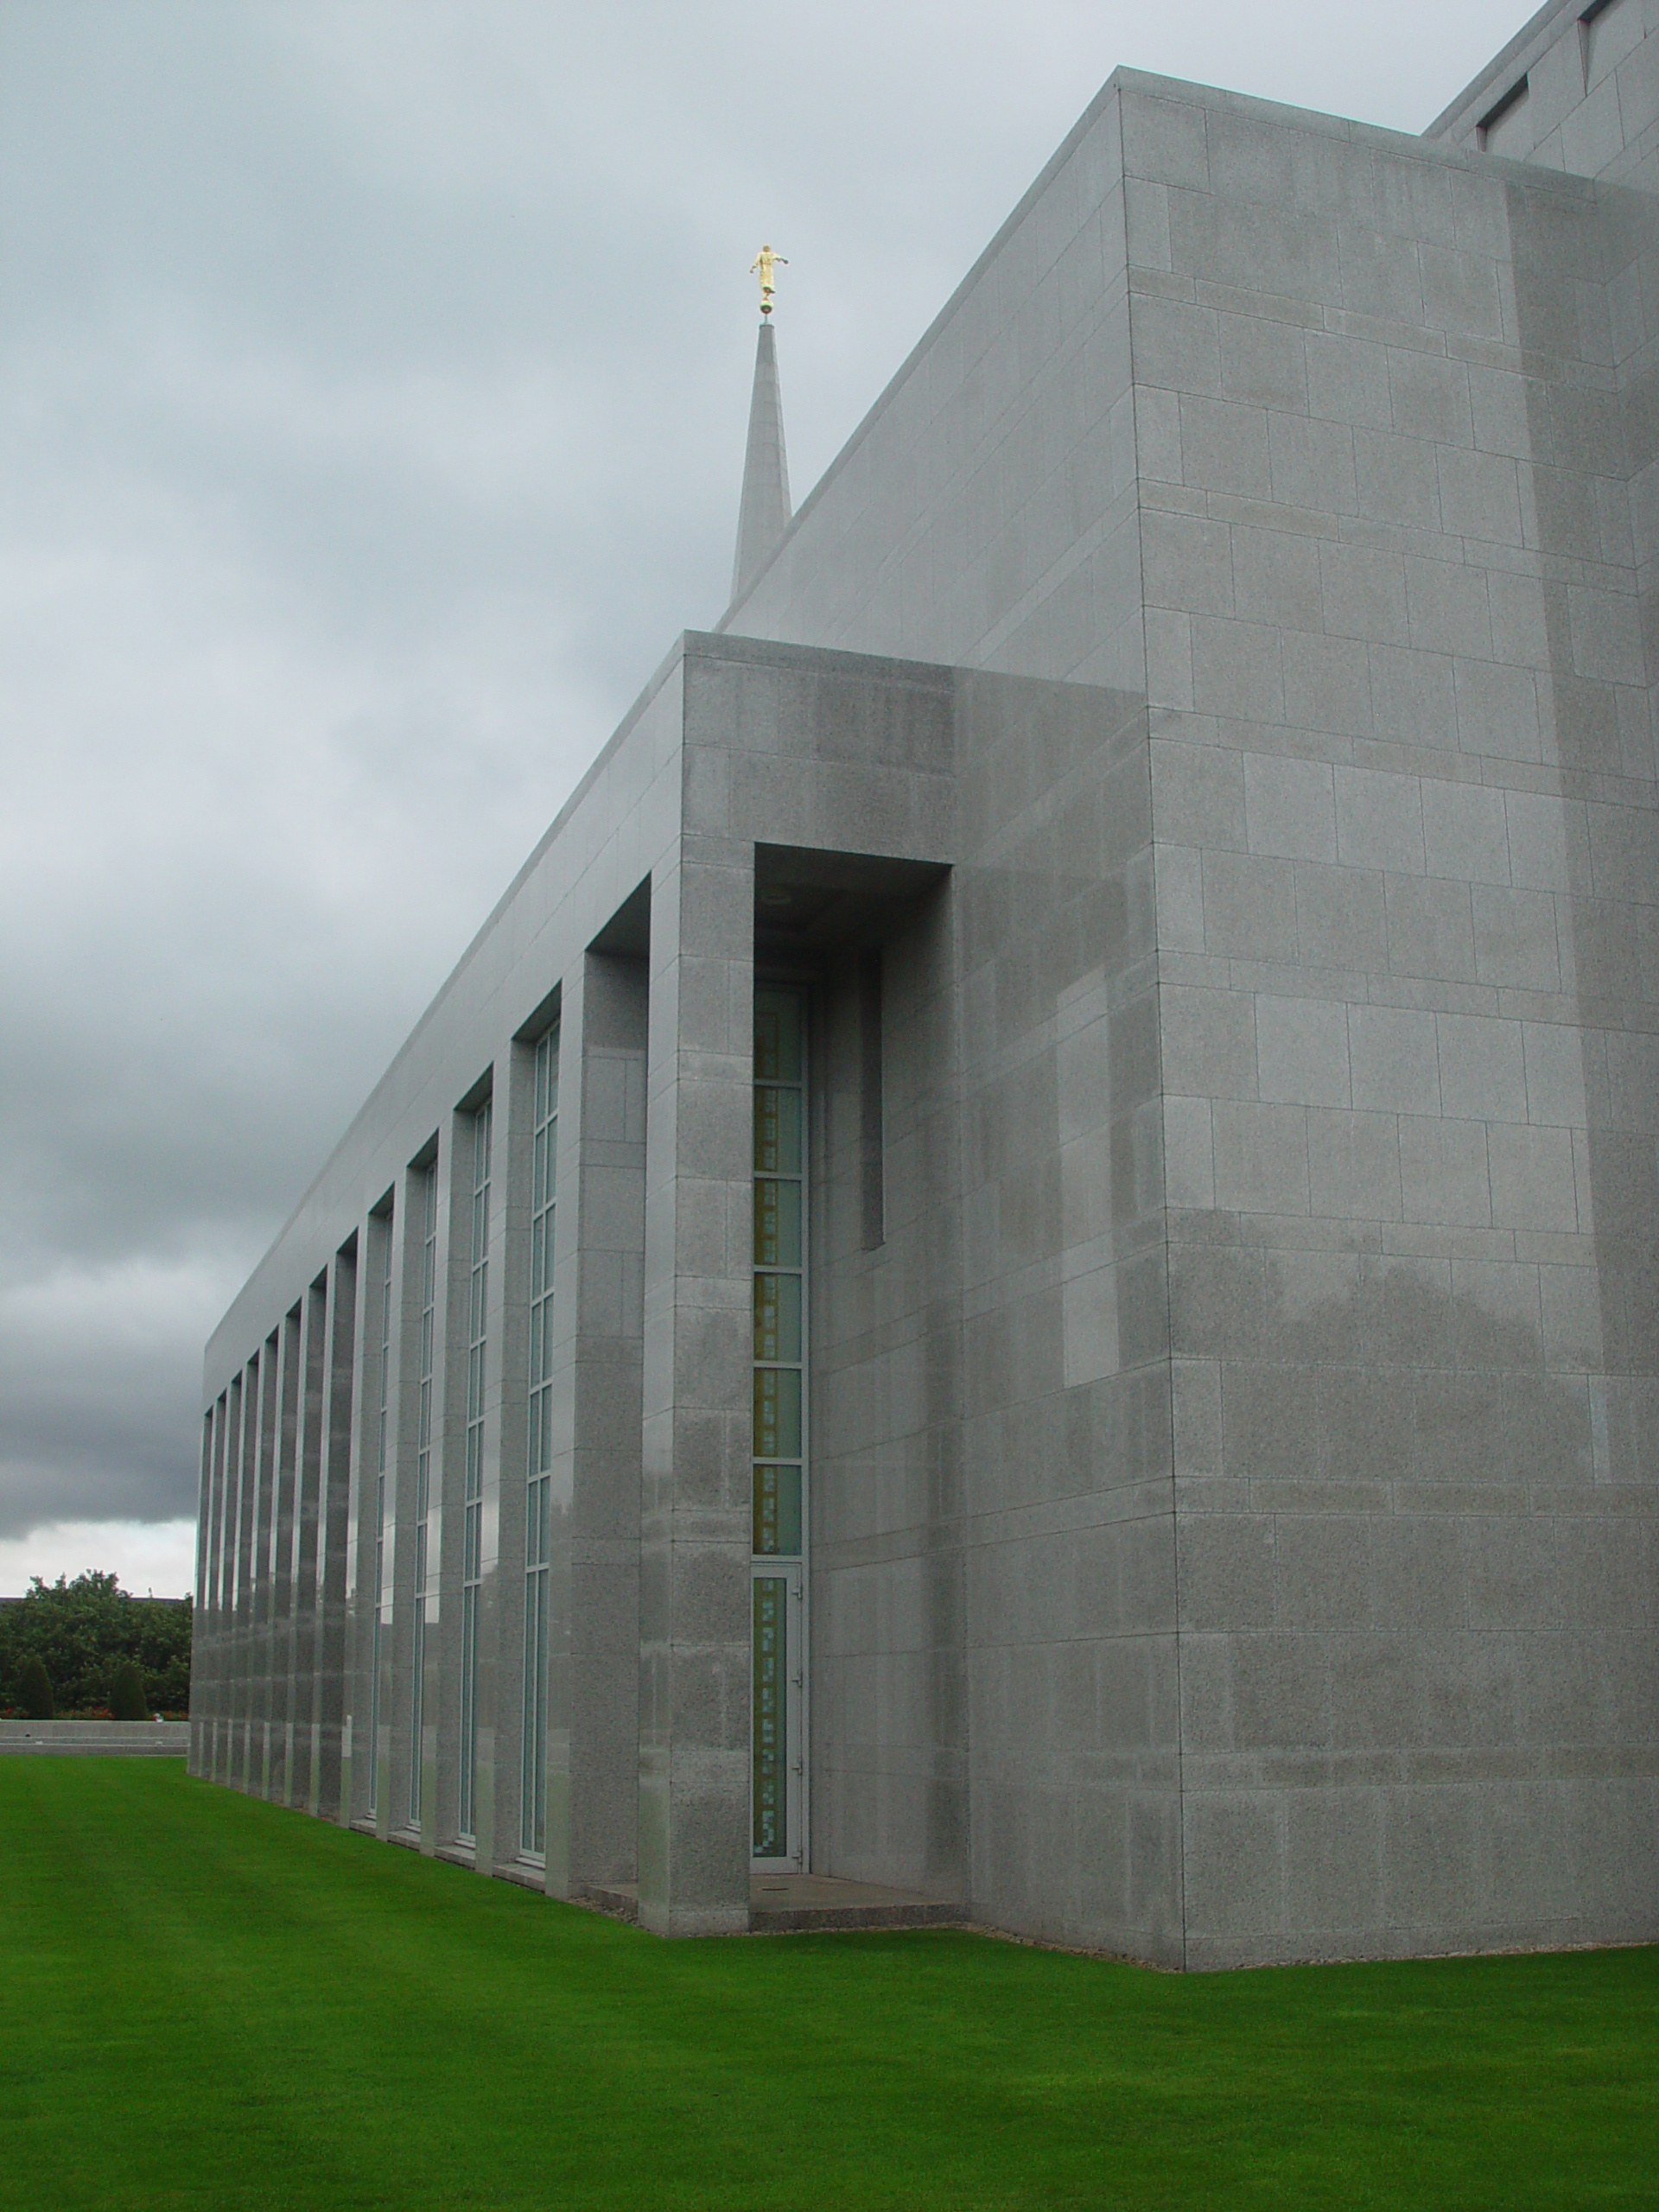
777, 1036
776, 1413
777, 1225
777, 1317
771, 1834
779, 1416
777, 1512
777, 1131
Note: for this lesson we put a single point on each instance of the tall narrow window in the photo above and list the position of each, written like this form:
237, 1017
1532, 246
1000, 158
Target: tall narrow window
422, 1480
381, 1439
532, 1826
778, 1542
473, 1496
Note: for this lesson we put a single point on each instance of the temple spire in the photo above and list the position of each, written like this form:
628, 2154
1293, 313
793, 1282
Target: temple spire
764, 515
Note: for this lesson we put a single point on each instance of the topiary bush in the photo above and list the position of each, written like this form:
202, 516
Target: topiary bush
35, 1689
127, 1697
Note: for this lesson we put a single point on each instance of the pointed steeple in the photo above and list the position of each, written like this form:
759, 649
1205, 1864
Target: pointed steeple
763, 516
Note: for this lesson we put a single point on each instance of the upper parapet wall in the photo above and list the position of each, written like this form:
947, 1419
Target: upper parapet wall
1577, 88
983, 514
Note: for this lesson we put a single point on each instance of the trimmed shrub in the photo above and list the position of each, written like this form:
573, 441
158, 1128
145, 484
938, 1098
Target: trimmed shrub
127, 1697
35, 1689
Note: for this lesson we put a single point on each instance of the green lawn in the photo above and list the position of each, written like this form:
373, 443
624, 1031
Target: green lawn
205, 2000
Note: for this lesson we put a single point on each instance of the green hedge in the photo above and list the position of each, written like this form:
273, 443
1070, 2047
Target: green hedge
82, 1633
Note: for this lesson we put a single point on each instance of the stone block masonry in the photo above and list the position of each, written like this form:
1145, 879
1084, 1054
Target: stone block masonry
1193, 756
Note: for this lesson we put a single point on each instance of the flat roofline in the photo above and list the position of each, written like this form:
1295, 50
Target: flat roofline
1409, 145
689, 646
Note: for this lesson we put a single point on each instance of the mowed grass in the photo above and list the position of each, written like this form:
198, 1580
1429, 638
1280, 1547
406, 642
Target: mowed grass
207, 2000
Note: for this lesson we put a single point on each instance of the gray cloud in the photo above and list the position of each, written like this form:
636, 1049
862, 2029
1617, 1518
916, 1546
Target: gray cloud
372, 382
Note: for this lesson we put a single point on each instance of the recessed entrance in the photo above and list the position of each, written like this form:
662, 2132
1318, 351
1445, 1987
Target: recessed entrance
779, 1537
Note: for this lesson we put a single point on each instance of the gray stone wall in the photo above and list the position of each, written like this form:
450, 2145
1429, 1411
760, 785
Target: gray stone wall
1403, 792
603, 1046
1390, 414
890, 1731
1234, 1458
837, 774
1073, 1709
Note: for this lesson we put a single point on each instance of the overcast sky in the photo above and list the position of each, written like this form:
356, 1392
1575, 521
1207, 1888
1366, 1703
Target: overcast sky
373, 390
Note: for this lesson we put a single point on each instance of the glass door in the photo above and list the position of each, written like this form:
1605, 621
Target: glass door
777, 1834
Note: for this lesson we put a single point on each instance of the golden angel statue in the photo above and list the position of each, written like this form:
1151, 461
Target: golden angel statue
763, 265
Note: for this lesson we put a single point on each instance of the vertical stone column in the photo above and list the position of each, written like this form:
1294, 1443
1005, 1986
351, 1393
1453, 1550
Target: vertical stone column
440, 1688
352, 1318
446, 1623
230, 1449
599, 1281
204, 1625
197, 1613
609, 1249
302, 1675
259, 1645
694, 1717
337, 1480
247, 1586
249, 1592
280, 1637
403, 1386
500, 1626
204, 1656
242, 1571
242, 1651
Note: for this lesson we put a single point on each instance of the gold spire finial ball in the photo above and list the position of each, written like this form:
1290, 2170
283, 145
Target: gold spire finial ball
764, 264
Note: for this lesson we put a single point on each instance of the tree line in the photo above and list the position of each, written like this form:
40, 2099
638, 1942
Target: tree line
85, 1647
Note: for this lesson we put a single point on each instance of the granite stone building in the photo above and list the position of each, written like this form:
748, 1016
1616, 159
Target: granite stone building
1022, 1267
